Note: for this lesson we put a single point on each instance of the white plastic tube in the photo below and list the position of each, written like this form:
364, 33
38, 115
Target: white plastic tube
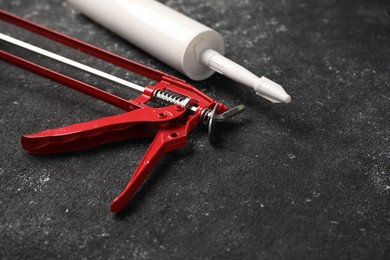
179, 41
166, 34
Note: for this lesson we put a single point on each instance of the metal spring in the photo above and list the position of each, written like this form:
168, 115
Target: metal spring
167, 97
204, 116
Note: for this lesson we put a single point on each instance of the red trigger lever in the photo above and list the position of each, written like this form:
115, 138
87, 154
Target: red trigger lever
186, 107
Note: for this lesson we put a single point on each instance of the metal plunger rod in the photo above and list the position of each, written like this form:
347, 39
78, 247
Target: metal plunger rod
70, 62
67, 81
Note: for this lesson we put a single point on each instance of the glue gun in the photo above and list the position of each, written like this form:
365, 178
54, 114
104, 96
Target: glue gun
185, 107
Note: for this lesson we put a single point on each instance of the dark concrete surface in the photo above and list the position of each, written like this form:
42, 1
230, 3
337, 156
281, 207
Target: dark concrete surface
306, 180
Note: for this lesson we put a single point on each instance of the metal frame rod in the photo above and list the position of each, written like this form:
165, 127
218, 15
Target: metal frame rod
68, 81
70, 62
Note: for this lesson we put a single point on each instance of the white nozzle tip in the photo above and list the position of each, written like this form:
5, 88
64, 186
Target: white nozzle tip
287, 99
272, 91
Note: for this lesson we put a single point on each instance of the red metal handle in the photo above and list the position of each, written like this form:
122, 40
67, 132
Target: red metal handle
143, 122
167, 140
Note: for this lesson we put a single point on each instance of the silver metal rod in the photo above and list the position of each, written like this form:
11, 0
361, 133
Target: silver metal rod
71, 62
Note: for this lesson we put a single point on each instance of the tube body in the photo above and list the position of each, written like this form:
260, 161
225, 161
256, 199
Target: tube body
166, 34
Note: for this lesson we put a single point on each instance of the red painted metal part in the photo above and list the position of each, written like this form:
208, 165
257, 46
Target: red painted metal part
82, 46
170, 125
109, 129
67, 81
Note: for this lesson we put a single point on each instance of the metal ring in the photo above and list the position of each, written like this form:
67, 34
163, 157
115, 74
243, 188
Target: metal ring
211, 130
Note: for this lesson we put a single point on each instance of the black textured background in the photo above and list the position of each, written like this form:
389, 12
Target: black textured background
310, 179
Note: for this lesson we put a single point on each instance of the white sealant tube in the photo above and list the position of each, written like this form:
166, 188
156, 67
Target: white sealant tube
179, 41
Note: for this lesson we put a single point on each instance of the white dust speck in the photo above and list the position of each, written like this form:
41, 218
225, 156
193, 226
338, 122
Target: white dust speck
381, 179
104, 234
291, 156
262, 35
32, 14
281, 28
249, 44
37, 183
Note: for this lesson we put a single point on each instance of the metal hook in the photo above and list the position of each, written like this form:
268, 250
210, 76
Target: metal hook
213, 117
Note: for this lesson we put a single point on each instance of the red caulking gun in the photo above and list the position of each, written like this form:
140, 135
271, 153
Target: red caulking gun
186, 107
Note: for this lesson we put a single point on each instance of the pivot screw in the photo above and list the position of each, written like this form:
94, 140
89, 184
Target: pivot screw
162, 115
179, 108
